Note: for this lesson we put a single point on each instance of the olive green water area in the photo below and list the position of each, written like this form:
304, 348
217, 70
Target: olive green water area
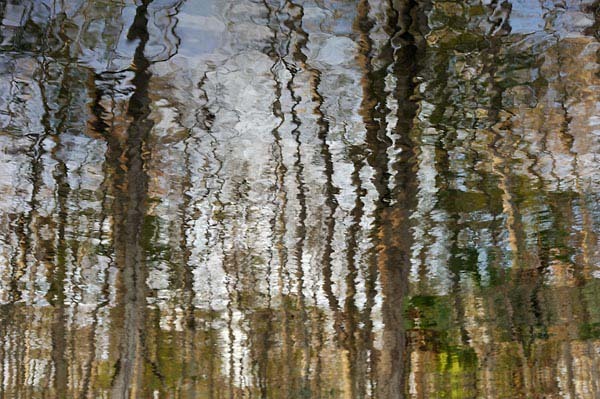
230, 199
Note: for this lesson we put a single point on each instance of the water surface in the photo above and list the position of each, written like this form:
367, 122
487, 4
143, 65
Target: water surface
299, 199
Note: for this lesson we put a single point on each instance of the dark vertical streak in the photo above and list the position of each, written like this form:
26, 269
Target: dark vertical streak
394, 239
205, 118
189, 370
101, 127
301, 225
277, 223
230, 329
294, 24
131, 183
56, 293
356, 343
57, 257
373, 110
330, 189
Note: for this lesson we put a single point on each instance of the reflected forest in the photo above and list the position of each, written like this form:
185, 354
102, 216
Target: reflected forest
294, 199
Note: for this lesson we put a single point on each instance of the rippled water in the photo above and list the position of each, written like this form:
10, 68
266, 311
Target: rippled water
299, 199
